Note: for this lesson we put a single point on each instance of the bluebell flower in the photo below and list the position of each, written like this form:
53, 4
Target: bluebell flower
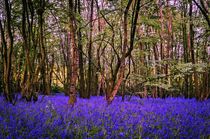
146, 118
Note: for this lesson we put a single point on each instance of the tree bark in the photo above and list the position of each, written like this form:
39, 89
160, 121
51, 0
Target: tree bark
74, 54
7, 44
43, 63
191, 33
90, 68
125, 54
186, 49
82, 87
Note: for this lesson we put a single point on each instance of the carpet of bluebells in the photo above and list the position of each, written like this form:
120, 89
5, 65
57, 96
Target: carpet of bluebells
52, 117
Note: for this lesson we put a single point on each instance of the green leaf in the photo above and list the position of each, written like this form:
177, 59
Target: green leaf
151, 39
150, 21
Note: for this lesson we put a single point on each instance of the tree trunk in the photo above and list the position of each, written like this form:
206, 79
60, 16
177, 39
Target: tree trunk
43, 63
27, 83
121, 63
7, 44
82, 87
186, 51
90, 61
197, 94
50, 75
161, 34
74, 54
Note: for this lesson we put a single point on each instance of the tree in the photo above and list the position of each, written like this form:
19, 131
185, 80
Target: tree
90, 59
74, 54
203, 10
7, 49
82, 87
121, 62
104, 46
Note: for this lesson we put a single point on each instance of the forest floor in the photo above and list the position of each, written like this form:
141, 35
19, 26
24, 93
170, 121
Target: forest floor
52, 117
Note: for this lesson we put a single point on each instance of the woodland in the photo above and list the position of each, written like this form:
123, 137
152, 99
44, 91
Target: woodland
104, 69
155, 48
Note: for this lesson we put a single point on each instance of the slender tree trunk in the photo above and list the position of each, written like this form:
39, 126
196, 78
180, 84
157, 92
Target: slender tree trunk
7, 44
82, 87
124, 53
169, 42
43, 63
121, 63
186, 51
68, 62
74, 54
50, 75
197, 94
161, 34
90, 68
27, 84
155, 89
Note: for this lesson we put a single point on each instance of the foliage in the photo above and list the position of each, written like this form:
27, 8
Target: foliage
150, 21
51, 117
188, 68
57, 89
